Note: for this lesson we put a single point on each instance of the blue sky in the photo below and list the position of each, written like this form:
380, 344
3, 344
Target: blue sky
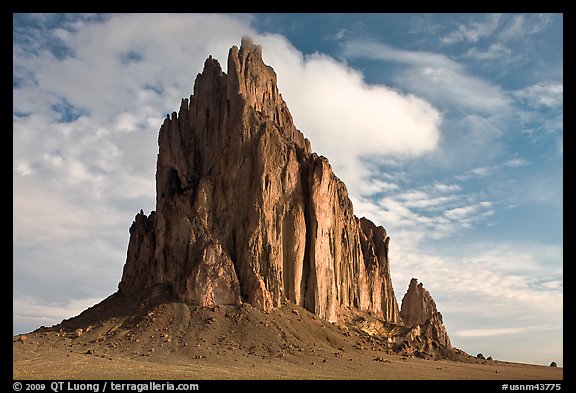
446, 128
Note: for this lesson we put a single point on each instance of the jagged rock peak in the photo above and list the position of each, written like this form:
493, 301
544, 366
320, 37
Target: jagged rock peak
417, 304
245, 212
418, 309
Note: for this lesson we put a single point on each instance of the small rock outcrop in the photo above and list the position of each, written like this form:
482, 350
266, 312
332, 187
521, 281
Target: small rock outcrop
245, 212
418, 310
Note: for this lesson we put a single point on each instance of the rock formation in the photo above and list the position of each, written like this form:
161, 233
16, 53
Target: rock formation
418, 311
245, 212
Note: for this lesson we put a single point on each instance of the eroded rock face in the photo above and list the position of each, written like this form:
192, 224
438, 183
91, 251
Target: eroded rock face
246, 212
418, 311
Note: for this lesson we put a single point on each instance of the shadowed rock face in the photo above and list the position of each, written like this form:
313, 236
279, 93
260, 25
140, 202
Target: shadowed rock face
246, 212
418, 311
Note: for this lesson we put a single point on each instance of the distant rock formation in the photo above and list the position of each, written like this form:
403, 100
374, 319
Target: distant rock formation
418, 311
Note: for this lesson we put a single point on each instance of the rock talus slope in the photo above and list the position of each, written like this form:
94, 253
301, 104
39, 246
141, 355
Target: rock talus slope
245, 212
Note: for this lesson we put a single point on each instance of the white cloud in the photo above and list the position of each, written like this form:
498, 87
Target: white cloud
96, 79
22, 167
369, 120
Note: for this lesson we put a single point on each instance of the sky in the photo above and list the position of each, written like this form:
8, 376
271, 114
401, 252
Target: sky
446, 128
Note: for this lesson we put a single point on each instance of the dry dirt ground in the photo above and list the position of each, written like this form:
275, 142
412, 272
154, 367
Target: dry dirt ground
165, 339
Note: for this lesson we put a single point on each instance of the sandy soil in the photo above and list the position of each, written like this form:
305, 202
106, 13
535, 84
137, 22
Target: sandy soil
58, 364
172, 340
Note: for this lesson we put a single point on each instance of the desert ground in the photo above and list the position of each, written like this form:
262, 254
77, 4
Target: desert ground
172, 340
61, 364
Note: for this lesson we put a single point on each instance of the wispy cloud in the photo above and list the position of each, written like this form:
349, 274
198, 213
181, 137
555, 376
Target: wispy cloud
477, 172
447, 187
380, 51
501, 26
487, 332
540, 111
492, 294
483, 171
30, 311
542, 95
474, 31
516, 162
494, 51
22, 167
377, 186
523, 26
436, 77
432, 211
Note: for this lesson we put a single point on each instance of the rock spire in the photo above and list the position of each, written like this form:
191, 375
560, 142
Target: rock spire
419, 310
